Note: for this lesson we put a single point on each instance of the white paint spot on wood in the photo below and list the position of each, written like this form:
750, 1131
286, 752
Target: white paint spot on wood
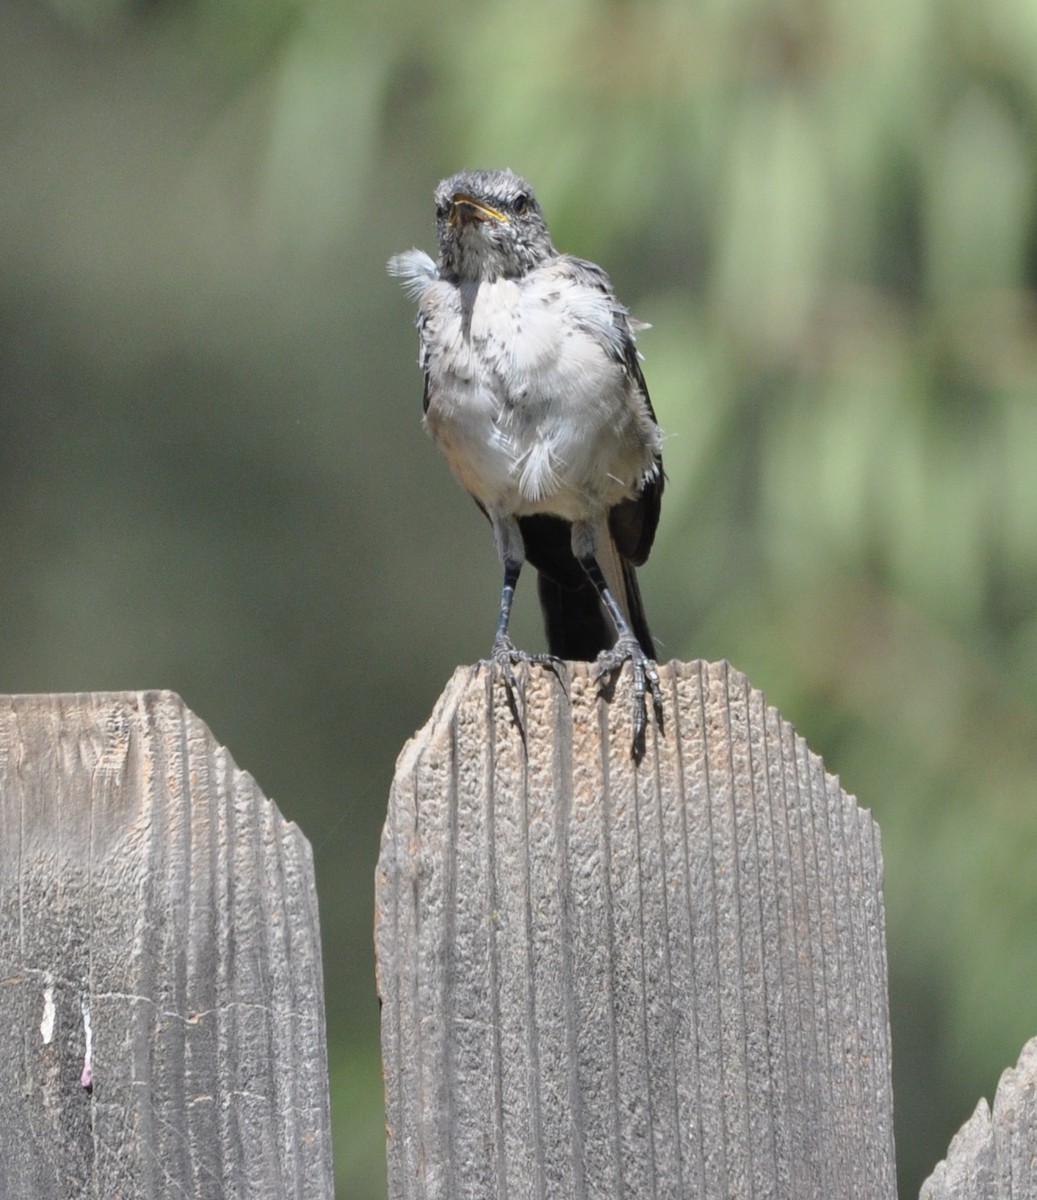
49, 1011
87, 1076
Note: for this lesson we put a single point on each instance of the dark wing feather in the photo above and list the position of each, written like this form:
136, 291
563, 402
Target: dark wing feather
421, 322
633, 522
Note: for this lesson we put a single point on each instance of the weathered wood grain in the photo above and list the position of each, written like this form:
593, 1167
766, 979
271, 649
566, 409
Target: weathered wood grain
602, 979
160, 976
994, 1154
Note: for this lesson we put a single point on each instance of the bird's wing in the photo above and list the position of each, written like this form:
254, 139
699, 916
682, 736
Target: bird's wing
632, 523
610, 323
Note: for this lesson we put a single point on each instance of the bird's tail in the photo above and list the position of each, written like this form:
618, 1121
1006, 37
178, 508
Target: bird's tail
578, 627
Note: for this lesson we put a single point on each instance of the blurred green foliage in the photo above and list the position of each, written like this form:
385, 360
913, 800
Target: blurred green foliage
212, 474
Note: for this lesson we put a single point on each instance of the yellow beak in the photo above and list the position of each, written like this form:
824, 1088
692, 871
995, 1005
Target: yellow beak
464, 208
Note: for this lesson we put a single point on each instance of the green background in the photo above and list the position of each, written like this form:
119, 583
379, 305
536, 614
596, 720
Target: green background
213, 476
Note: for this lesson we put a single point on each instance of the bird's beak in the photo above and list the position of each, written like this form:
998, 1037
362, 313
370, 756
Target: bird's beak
465, 209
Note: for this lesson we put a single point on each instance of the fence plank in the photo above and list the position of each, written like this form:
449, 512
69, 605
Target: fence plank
160, 974
994, 1154
606, 979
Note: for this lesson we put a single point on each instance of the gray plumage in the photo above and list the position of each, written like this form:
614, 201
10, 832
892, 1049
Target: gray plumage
534, 393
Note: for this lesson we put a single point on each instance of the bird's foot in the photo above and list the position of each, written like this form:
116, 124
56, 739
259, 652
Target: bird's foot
646, 679
505, 656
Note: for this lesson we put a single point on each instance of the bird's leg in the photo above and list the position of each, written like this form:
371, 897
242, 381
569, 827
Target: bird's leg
627, 649
512, 553
503, 648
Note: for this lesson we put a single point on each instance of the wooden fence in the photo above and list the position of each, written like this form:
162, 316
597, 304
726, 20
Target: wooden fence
599, 978
161, 997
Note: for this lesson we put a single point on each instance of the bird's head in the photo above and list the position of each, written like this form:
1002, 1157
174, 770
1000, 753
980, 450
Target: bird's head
489, 226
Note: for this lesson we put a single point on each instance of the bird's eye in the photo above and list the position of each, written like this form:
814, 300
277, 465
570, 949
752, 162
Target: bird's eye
521, 204
442, 211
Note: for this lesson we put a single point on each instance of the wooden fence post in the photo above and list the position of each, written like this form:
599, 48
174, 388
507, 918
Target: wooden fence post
994, 1154
160, 975
602, 979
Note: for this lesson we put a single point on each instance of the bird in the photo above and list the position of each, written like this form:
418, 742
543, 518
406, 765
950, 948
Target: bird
534, 393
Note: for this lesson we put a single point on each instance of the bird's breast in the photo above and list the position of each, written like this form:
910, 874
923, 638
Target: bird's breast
530, 410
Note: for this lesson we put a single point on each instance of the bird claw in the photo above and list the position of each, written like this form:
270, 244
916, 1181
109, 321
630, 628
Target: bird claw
646, 679
506, 657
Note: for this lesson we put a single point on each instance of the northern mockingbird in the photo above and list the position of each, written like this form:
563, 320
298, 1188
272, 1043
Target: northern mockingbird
534, 394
